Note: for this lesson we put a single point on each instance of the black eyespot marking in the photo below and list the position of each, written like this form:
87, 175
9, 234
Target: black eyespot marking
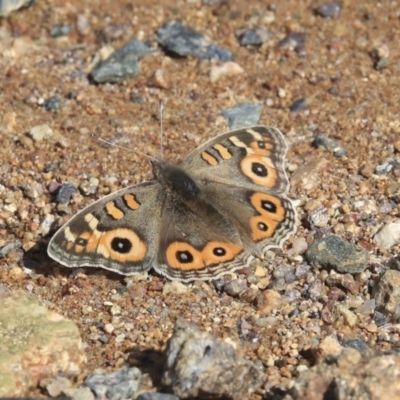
261, 144
184, 257
121, 245
259, 169
81, 242
262, 227
268, 206
219, 252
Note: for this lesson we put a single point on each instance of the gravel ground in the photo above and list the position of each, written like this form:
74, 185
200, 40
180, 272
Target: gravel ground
331, 87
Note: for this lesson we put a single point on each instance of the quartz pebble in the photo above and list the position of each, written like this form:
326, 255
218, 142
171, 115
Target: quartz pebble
388, 235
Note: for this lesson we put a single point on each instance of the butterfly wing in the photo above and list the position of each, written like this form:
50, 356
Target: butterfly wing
250, 157
197, 241
242, 173
110, 232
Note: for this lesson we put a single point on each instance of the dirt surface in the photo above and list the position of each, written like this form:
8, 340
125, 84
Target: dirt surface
350, 99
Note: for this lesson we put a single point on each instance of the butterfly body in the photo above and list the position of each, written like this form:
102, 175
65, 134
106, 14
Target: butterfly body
222, 206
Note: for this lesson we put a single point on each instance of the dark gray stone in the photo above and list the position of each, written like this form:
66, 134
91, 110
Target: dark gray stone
357, 344
328, 10
242, 115
253, 36
60, 30
123, 64
53, 103
334, 253
294, 41
329, 144
185, 41
65, 192
299, 105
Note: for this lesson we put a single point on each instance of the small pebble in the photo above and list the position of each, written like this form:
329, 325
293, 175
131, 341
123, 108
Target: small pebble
388, 235
229, 68
112, 32
329, 10
122, 64
115, 309
380, 318
40, 132
82, 24
329, 144
298, 105
294, 41
318, 218
357, 344
79, 393
90, 187
65, 192
60, 30
253, 36
235, 287
174, 287
118, 385
9, 247
53, 103
386, 168
184, 41
156, 396
46, 224
242, 115
380, 56
329, 346
58, 385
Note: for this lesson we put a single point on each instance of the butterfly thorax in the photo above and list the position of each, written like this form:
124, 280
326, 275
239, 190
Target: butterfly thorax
175, 180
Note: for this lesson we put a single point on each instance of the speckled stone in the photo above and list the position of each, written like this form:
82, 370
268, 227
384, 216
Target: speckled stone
334, 253
197, 364
387, 294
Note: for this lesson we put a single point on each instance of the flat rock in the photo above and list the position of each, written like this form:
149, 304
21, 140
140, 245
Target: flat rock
185, 41
35, 344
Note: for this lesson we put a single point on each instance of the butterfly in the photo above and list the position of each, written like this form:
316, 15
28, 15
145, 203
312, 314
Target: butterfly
224, 205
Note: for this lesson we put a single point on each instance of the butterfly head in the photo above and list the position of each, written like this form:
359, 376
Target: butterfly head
175, 179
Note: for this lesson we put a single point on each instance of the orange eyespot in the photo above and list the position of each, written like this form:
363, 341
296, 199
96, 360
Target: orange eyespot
262, 227
259, 170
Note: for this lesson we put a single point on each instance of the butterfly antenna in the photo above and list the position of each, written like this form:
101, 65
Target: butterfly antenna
121, 147
160, 110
